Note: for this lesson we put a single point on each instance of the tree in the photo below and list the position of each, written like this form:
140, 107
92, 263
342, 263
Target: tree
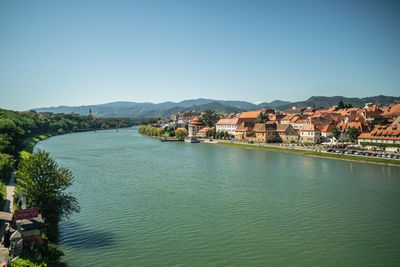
353, 133
340, 104
263, 118
181, 134
335, 132
210, 117
44, 183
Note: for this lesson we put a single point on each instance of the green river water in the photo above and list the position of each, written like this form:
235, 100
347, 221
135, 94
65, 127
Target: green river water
151, 203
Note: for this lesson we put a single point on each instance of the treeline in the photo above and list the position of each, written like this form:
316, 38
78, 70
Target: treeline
219, 135
159, 132
17, 127
151, 130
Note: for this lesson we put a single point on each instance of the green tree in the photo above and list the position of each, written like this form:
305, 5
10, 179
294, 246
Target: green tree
210, 117
44, 183
181, 134
341, 104
335, 132
353, 133
6, 164
263, 118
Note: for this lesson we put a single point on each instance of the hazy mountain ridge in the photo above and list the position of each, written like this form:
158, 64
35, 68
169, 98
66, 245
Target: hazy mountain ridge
166, 109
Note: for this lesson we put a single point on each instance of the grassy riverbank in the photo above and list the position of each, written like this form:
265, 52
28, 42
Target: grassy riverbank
375, 160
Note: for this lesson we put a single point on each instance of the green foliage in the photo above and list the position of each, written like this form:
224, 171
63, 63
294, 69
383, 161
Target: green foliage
50, 255
353, 133
340, 104
263, 118
151, 130
210, 117
16, 127
181, 133
335, 132
6, 164
45, 183
150, 121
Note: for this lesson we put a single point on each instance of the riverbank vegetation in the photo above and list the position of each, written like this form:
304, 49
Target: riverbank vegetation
317, 154
38, 175
165, 134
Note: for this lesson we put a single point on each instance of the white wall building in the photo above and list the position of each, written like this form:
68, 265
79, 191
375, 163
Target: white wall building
227, 125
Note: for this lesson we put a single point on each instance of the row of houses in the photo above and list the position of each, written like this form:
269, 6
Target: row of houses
375, 125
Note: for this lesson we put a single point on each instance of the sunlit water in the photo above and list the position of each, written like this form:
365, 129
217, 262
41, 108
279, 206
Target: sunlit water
151, 203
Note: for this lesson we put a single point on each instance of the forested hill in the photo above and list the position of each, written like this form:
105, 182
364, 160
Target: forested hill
15, 127
324, 101
166, 109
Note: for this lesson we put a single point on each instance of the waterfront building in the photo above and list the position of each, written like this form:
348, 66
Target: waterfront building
309, 133
244, 130
266, 132
227, 125
195, 126
385, 135
202, 132
286, 133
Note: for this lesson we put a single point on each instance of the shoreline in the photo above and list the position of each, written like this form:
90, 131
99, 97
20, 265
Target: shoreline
314, 154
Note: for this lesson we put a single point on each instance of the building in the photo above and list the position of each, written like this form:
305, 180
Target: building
244, 130
287, 134
326, 134
266, 132
227, 125
202, 132
195, 126
309, 133
385, 135
249, 116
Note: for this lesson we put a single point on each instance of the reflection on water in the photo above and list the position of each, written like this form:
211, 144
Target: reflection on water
147, 203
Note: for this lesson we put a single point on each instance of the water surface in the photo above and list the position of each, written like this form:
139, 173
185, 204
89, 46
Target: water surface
147, 203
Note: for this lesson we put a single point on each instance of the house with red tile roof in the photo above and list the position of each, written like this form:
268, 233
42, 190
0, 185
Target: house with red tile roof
202, 132
297, 122
382, 134
227, 125
309, 133
287, 118
244, 130
394, 111
287, 134
195, 126
266, 132
326, 134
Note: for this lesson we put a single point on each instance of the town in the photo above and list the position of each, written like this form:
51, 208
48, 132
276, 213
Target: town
352, 130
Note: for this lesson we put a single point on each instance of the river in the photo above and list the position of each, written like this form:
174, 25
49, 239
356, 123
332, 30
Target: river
151, 203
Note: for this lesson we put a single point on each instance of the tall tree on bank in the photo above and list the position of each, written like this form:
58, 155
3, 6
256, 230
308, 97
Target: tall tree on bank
210, 117
44, 183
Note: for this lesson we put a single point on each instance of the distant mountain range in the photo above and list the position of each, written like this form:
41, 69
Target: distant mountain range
166, 109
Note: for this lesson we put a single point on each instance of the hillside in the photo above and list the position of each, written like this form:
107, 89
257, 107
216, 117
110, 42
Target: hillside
328, 101
166, 109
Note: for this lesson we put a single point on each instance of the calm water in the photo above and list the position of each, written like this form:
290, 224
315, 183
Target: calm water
147, 203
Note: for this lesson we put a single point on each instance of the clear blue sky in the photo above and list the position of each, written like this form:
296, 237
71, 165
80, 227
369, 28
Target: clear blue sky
90, 52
